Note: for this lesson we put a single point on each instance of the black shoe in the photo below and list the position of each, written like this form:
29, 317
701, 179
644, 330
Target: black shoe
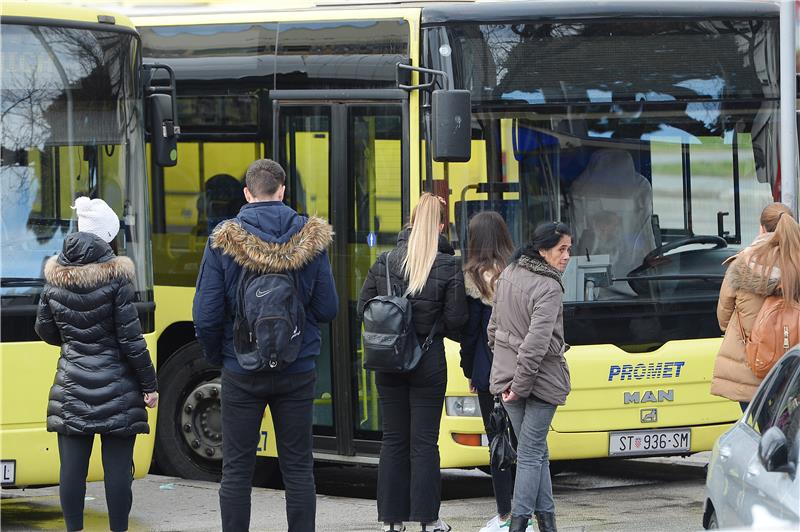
519, 523
546, 521
437, 526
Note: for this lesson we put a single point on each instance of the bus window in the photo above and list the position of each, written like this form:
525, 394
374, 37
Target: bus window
205, 188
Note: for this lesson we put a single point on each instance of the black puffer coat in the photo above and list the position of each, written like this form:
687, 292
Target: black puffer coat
443, 294
104, 368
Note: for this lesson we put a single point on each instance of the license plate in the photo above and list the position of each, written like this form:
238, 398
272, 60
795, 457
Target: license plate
643, 442
9, 471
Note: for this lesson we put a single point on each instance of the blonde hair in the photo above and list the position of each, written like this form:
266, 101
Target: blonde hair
423, 242
782, 250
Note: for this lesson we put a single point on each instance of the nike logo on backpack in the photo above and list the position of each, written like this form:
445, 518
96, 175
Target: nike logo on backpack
259, 293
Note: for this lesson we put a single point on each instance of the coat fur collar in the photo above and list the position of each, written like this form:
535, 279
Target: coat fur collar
750, 277
540, 267
88, 275
473, 291
251, 252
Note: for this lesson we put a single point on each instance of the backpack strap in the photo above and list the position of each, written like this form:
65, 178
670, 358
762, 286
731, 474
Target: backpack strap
388, 275
436, 326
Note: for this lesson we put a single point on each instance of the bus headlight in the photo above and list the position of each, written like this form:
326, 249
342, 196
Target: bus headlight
462, 406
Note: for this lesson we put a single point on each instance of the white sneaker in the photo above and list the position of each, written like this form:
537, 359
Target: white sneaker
495, 524
394, 527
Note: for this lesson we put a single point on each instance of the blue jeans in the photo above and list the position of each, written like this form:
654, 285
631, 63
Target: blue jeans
291, 402
533, 489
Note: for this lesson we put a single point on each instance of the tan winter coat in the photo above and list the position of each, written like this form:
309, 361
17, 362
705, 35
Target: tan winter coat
740, 298
526, 333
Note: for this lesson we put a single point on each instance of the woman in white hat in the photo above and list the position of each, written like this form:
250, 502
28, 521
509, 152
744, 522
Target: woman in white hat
104, 376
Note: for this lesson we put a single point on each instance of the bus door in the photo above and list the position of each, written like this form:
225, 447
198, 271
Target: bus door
346, 160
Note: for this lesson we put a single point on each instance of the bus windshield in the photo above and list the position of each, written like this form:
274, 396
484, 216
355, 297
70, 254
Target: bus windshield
71, 110
655, 140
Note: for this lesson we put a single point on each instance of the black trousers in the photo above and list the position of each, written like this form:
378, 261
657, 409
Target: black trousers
409, 478
502, 481
74, 453
291, 401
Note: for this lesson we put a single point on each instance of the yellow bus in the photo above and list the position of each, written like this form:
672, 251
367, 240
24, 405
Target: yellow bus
650, 128
71, 96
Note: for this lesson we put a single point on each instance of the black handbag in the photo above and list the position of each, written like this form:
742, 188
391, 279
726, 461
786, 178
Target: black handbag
389, 339
502, 450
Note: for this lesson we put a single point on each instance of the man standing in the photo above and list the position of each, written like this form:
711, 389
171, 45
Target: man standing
266, 237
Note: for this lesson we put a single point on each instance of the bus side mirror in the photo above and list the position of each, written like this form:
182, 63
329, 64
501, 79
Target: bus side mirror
163, 130
451, 130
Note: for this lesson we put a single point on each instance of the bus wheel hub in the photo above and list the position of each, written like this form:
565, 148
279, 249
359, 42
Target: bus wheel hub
201, 420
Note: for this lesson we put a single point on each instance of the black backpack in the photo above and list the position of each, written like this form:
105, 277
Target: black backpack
269, 320
389, 339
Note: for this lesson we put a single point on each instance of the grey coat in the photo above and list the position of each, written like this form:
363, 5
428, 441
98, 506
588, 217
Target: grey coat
526, 333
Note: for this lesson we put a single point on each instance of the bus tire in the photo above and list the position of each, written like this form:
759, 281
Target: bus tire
189, 430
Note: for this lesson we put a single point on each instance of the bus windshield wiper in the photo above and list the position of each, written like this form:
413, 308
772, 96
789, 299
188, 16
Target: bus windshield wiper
21, 281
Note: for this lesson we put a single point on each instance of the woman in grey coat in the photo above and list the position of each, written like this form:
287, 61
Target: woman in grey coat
529, 371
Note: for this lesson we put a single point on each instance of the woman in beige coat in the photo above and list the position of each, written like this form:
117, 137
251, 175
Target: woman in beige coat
770, 264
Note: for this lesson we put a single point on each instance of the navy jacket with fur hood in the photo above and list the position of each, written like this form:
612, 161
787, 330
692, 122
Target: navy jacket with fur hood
104, 368
265, 236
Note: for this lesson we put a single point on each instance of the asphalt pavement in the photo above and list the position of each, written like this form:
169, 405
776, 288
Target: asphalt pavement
656, 494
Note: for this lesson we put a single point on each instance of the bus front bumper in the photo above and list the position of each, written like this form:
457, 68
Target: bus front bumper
473, 450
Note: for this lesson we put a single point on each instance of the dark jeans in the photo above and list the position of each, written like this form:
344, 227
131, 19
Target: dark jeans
502, 481
409, 478
74, 453
291, 400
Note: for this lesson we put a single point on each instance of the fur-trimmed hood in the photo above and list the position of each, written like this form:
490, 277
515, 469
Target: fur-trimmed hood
88, 275
540, 267
748, 276
86, 261
474, 292
256, 254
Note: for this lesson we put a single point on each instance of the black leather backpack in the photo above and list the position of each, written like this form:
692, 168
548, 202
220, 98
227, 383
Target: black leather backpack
390, 340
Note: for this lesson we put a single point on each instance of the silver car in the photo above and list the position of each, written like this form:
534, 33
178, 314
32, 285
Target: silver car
752, 476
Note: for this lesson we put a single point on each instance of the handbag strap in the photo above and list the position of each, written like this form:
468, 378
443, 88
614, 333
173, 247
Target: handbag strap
742, 334
431, 335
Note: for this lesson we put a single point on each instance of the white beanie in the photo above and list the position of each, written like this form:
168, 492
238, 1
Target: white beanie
96, 217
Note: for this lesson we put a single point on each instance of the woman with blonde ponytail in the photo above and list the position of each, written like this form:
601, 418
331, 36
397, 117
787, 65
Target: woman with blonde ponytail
770, 265
424, 268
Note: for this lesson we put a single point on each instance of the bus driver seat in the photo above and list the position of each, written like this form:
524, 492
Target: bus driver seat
612, 207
